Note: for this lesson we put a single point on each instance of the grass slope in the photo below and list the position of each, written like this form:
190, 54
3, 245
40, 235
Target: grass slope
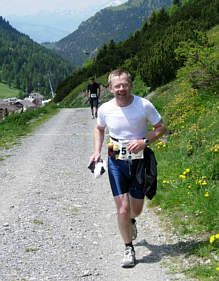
188, 167
77, 97
7, 92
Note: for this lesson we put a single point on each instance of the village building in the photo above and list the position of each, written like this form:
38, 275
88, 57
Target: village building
35, 98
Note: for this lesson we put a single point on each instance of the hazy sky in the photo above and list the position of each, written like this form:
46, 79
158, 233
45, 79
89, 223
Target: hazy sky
27, 7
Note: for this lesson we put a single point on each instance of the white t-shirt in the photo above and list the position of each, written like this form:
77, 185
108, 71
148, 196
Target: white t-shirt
128, 122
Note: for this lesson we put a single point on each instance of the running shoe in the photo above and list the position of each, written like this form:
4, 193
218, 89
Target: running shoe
134, 229
129, 257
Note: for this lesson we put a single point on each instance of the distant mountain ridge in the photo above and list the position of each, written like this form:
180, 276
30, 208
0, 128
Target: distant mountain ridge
49, 26
112, 23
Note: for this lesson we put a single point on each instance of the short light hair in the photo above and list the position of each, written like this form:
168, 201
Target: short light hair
119, 72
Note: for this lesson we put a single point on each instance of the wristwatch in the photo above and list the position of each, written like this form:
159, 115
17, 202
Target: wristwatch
146, 141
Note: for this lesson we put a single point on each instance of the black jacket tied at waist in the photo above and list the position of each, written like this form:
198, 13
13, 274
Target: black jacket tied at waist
146, 173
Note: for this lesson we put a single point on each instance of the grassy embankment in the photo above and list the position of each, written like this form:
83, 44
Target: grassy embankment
18, 125
77, 97
188, 169
7, 92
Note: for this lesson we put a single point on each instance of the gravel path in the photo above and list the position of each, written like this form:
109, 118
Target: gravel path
58, 223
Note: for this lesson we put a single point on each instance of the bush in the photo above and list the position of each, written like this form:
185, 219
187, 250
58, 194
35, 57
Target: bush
201, 67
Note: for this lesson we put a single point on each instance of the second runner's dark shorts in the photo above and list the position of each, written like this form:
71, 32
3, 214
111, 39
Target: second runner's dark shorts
93, 102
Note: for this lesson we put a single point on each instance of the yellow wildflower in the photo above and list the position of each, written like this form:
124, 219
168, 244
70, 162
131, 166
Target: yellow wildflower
204, 183
164, 181
212, 238
182, 177
186, 171
216, 235
215, 148
189, 186
206, 194
217, 268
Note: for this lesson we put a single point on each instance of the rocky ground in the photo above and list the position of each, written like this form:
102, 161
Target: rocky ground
58, 223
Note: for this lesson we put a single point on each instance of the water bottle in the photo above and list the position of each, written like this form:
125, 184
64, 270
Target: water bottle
110, 149
116, 151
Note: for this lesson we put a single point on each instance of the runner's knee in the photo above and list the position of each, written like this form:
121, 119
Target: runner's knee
124, 211
136, 211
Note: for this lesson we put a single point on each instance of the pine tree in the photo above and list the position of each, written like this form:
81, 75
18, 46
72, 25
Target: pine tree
176, 2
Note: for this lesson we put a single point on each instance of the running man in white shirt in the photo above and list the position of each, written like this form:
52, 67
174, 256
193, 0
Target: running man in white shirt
126, 117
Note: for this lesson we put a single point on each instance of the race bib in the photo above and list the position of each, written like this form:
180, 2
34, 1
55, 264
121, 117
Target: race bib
125, 155
93, 95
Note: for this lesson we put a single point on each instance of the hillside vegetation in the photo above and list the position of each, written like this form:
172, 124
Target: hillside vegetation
113, 23
8, 92
188, 160
25, 64
150, 52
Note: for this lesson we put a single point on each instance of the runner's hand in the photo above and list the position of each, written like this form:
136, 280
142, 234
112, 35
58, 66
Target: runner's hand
136, 146
95, 157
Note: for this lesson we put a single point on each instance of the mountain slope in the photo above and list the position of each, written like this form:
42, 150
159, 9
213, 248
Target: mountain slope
52, 26
150, 52
55, 24
25, 64
115, 23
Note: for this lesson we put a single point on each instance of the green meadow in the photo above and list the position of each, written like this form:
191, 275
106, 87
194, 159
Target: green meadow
7, 92
188, 191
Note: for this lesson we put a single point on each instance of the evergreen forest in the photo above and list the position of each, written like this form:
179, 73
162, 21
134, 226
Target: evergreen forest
26, 65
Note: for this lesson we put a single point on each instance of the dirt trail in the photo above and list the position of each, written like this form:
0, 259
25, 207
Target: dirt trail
58, 223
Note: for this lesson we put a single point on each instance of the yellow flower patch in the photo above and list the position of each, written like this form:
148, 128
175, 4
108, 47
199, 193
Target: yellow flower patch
206, 194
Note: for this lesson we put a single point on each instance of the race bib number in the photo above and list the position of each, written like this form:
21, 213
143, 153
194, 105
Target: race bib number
93, 95
125, 155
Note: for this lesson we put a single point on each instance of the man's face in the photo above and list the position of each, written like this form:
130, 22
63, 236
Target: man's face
92, 81
121, 88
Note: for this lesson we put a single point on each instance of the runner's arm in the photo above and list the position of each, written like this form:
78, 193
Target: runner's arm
159, 130
98, 141
87, 92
